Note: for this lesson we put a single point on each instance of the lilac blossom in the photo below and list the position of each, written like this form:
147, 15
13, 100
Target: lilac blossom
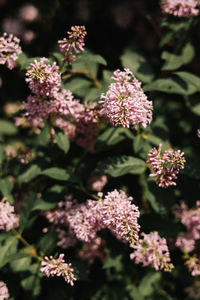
74, 44
58, 267
152, 250
165, 166
180, 8
9, 50
120, 216
198, 133
44, 79
190, 218
97, 182
4, 294
193, 265
28, 13
125, 103
8, 218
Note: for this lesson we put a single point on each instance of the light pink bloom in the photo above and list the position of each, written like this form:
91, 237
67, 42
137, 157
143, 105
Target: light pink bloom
28, 13
193, 265
8, 218
44, 79
152, 250
68, 128
166, 165
58, 267
125, 103
9, 50
120, 216
97, 182
198, 133
180, 8
74, 44
4, 294
92, 250
190, 218
13, 26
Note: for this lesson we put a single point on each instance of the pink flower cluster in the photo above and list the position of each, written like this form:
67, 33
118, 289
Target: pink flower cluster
9, 50
97, 182
151, 249
8, 218
193, 265
4, 294
114, 212
180, 8
190, 218
125, 103
74, 44
165, 166
44, 80
58, 267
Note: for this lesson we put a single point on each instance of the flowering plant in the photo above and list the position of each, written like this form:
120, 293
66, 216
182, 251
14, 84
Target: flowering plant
99, 158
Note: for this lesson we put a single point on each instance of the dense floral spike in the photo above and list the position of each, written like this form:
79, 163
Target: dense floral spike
58, 267
9, 50
63, 104
120, 216
190, 218
151, 249
97, 182
74, 44
193, 265
85, 220
3, 291
180, 8
125, 103
44, 79
8, 218
92, 250
166, 165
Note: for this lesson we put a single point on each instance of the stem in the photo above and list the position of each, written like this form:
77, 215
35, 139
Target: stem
82, 189
20, 237
95, 80
154, 25
73, 71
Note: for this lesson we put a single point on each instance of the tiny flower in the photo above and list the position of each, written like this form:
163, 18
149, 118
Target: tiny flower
180, 8
44, 80
198, 133
58, 267
152, 250
166, 165
125, 103
8, 218
74, 44
9, 50
193, 265
4, 294
28, 13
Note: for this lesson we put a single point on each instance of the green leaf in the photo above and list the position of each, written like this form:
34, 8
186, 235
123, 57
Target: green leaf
24, 61
175, 61
7, 128
19, 262
138, 64
48, 242
32, 172
2, 154
112, 136
121, 165
56, 173
113, 261
7, 248
147, 285
78, 86
96, 58
33, 282
40, 204
6, 187
170, 86
189, 78
26, 215
62, 141
193, 104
